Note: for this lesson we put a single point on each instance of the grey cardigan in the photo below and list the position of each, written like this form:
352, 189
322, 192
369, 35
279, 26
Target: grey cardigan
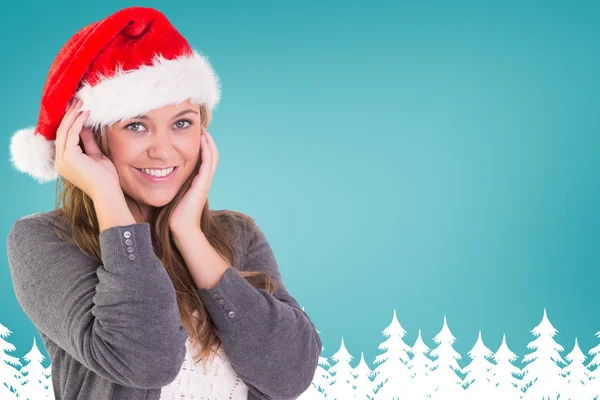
113, 330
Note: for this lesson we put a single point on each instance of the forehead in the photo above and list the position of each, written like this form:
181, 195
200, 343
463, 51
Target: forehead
168, 111
171, 109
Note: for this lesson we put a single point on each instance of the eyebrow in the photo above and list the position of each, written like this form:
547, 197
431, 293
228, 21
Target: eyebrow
178, 115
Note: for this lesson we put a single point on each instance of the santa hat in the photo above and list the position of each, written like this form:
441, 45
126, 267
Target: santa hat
125, 65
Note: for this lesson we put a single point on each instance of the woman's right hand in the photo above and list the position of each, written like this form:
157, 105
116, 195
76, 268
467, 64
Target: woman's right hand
92, 171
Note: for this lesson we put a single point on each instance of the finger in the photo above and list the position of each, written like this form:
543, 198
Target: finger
60, 137
72, 140
213, 150
61, 132
89, 142
205, 166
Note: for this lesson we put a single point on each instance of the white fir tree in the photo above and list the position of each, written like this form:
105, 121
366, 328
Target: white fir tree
444, 379
35, 381
317, 386
419, 368
10, 377
505, 384
478, 373
543, 379
392, 376
363, 386
48, 373
311, 393
322, 379
342, 378
576, 375
398, 377
593, 386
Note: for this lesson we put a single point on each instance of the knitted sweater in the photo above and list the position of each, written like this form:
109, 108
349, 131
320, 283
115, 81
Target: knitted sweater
113, 329
217, 381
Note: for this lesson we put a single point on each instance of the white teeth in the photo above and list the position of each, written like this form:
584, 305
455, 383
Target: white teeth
158, 172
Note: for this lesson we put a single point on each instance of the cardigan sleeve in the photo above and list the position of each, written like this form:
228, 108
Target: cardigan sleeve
270, 341
118, 318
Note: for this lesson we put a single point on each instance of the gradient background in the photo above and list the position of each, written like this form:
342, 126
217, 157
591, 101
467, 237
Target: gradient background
437, 158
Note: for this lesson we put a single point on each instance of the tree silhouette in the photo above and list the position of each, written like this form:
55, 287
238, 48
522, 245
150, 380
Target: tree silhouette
593, 386
576, 375
11, 377
543, 377
392, 376
505, 385
363, 386
447, 384
341, 385
478, 371
419, 369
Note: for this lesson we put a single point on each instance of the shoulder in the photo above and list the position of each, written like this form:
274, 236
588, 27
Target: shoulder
31, 221
44, 218
35, 226
242, 226
243, 223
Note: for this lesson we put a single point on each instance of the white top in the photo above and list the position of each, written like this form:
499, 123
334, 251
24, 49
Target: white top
217, 381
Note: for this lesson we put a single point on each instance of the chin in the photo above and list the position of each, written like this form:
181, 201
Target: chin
158, 200
155, 199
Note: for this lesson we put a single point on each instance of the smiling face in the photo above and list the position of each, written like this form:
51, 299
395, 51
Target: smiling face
145, 149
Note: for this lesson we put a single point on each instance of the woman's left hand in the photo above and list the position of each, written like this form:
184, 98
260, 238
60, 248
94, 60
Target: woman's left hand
187, 214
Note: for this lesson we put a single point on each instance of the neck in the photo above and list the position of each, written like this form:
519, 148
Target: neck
141, 212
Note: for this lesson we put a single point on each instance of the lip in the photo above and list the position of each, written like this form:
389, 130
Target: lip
156, 179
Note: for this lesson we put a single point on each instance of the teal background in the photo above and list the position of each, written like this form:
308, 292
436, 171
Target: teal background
436, 158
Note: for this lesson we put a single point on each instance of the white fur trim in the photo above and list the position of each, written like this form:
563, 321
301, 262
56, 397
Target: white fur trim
128, 94
32, 153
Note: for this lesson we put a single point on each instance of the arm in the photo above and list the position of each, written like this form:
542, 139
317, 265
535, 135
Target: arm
119, 319
270, 341
112, 211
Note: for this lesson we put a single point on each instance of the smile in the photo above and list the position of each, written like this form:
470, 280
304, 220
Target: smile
158, 175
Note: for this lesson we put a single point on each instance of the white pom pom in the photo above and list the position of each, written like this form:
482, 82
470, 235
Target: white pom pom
33, 154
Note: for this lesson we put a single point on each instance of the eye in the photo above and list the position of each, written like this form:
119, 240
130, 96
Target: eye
184, 120
134, 124
177, 122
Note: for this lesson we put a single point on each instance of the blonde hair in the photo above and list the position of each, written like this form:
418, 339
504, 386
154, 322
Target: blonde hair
78, 210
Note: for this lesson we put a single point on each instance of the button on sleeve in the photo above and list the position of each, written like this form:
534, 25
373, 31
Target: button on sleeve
255, 322
116, 318
131, 244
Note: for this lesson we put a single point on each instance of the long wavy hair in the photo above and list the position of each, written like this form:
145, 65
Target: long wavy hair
77, 209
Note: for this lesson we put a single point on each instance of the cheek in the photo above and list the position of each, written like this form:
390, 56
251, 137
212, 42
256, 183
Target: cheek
125, 154
190, 148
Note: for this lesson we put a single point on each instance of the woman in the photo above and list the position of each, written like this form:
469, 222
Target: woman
132, 281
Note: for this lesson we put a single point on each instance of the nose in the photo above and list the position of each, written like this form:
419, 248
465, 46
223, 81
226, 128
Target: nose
161, 146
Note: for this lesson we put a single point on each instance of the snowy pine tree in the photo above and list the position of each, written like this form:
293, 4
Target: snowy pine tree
48, 373
316, 388
10, 377
322, 378
444, 379
505, 385
478, 376
391, 376
363, 386
593, 386
543, 379
342, 380
35, 384
419, 368
576, 375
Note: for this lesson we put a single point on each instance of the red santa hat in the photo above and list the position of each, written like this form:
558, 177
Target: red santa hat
125, 65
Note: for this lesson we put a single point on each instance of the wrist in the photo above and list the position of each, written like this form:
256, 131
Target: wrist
104, 198
112, 211
186, 231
